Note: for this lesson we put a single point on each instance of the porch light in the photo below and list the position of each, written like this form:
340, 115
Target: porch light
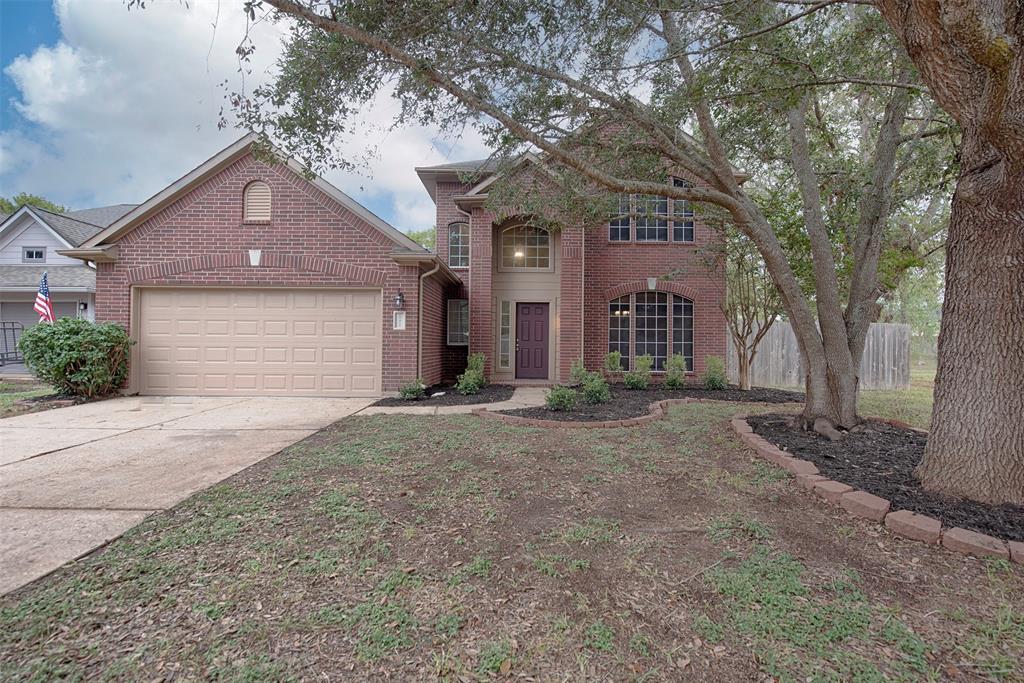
399, 301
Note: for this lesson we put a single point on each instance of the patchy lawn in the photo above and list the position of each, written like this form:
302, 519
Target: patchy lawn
12, 392
913, 405
423, 548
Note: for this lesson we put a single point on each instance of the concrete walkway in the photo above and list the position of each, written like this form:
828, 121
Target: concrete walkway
73, 478
522, 397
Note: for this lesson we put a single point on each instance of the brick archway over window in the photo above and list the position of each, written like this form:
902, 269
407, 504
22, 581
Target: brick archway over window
269, 260
641, 286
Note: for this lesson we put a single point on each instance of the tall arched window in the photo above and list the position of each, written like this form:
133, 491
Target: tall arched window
654, 324
458, 245
256, 201
525, 246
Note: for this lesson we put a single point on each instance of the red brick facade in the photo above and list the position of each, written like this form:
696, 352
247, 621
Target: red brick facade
593, 271
311, 241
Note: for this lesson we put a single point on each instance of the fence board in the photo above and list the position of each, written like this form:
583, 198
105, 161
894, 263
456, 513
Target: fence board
885, 365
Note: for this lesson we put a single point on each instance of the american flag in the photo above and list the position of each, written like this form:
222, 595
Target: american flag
42, 306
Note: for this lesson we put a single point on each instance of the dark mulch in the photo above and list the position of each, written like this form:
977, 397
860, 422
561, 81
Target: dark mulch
627, 403
881, 460
492, 393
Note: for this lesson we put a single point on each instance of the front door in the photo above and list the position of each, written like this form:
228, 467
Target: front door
532, 341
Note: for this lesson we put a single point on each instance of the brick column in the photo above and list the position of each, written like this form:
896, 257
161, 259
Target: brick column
571, 302
481, 269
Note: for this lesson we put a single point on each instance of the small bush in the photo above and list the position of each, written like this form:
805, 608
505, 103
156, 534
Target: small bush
472, 380
577, 372
675, 372
714, 376
561, 398
413, 391
613, 362
78, 357
594, 389
640, 376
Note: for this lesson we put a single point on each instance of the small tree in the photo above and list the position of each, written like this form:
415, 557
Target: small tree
751, 304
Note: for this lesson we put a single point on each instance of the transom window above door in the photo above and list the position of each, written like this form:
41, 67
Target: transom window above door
525, 247
651, 218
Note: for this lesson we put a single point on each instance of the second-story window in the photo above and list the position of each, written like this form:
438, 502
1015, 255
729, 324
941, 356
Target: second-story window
33, 254
525, 246
650, 218
458, 245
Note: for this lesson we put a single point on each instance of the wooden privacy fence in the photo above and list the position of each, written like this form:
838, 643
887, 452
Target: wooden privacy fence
885, 365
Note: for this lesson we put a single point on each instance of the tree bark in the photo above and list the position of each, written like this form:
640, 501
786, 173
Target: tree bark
976, 446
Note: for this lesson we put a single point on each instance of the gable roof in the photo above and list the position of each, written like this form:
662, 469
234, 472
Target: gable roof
455, 172
101, 215
224, 158
71, 230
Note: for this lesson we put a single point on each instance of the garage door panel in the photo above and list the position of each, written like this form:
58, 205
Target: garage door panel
251, 342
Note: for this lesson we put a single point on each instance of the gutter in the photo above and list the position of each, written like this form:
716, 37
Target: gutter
419, 318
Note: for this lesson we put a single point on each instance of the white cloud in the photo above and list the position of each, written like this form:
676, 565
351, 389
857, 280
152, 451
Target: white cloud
128, 101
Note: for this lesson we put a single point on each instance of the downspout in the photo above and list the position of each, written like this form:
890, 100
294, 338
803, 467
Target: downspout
419, 319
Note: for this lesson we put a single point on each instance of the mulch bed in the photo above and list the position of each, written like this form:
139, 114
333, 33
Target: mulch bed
628, 403
881, 460
492, 393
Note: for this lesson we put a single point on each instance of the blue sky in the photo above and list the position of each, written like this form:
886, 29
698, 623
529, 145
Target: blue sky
101, 105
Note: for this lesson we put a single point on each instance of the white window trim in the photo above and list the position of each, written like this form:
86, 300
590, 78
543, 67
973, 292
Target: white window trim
502, 305
448, 323
468, 246
670, 216
25, 250
502, 268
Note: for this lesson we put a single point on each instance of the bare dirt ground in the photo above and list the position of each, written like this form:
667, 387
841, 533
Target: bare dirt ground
426, 548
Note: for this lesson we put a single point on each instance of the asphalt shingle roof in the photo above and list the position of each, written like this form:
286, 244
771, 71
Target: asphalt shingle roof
60, 277
102, 216
73, 230
464, 166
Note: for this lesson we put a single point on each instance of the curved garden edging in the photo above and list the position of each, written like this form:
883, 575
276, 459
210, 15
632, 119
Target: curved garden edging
903, 523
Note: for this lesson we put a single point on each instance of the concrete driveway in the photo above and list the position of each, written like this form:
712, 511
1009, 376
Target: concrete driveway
73, 478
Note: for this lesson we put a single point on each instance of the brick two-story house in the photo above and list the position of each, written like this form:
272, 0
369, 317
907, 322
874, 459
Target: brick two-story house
537, 299
247, 278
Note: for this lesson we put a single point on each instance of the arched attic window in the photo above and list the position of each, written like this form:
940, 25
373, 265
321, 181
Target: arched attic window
256, 201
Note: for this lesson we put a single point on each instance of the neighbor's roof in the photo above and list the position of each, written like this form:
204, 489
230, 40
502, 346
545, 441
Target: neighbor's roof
59, 277
101, 215
72, 230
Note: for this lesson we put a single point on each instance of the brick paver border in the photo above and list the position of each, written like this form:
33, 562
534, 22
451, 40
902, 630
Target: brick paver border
904, 523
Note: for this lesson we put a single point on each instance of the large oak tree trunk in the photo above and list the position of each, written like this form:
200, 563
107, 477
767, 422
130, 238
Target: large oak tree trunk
976, 446
831, 396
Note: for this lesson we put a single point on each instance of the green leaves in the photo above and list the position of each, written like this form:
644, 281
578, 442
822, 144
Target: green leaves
78, 357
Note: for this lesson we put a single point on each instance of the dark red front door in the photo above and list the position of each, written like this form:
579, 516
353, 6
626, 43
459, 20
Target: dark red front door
532, 341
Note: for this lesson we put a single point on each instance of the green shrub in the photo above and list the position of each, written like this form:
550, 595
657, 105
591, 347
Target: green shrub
476, 362
613, 362
594, 389
714, 376
640, 376
561, 398
577, 372
413, 390
472, 380
675, 372
78, 357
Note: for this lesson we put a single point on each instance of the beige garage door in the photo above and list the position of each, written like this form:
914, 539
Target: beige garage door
270, 342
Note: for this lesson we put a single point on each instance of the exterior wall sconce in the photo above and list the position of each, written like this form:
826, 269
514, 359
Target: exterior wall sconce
399, 301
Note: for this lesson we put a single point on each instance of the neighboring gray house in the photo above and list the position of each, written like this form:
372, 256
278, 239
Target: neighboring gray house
29, 240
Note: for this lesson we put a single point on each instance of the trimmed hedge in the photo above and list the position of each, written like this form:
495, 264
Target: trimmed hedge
78, 357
